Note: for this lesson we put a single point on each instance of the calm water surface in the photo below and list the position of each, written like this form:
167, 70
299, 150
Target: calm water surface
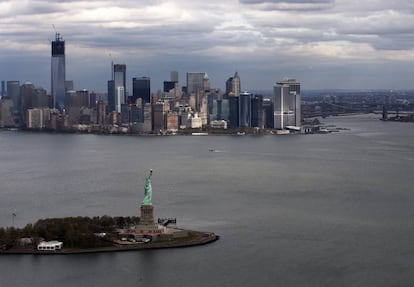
304, 210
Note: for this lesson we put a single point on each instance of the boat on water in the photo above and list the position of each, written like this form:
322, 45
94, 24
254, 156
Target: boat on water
323, 131
199, 134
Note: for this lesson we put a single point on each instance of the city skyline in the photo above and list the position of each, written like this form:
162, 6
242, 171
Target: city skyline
324, 43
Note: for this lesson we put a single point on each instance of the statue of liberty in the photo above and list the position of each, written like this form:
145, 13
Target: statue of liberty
148, 190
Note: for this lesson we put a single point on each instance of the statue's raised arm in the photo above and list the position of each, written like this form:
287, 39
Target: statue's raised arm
148, 191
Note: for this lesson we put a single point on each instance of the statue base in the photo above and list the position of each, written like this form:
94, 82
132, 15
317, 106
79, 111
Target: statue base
146, 222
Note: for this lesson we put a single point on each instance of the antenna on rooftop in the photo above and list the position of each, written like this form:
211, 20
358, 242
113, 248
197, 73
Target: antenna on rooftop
112, 66
56, 33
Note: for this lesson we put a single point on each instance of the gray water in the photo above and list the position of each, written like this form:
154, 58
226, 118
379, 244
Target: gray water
299, 210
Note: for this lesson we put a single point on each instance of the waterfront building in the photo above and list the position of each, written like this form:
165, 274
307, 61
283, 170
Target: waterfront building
86, 116
136, 112
82, 98
218, 124
268, 113
125, 114
119, 99
245, 109
184, 118
203, 111
257, 114
141, 88
27, 91
56, 120
3, 89
92, 100
101, 113
172, 121
287, 104
160, 110
194, 121
40, 98
233, 112
147, 127
72, 107
34, 119
111, 95
69, 101
114, 118
77, 106
6, 112
13, 92
58, 71
50, 245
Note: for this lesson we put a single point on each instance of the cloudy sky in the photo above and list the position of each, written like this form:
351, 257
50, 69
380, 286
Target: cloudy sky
343, 44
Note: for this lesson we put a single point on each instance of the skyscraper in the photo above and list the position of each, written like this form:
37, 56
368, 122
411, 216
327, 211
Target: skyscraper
168, 86
141, 88
195, 82
229, 84
257, 115
174, 76
3, 89
27, 92
58, 71
117, 88
235, 84
245, 109
287, 104
13, 92
233, 112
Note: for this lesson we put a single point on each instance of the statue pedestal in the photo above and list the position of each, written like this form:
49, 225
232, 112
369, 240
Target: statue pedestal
146, 222
147, 215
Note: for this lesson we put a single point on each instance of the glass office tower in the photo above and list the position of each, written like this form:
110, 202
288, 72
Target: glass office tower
58, 71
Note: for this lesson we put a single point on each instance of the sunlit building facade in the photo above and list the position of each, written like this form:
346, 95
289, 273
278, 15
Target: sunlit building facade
287, 104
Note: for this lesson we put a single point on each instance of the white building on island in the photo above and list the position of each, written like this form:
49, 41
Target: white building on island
50, 245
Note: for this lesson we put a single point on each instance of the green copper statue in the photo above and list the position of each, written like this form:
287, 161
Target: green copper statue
148, 190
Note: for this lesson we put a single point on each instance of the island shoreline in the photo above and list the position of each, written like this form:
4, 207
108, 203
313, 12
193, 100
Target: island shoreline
201, 238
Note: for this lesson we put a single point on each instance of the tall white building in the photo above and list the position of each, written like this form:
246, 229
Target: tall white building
287, 104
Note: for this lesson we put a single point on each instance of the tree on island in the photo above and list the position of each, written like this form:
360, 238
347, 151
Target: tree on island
75, 232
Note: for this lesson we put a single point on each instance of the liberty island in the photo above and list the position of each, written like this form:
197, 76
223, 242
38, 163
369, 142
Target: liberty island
104, 234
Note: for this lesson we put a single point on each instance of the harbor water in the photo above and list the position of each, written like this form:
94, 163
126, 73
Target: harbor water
291, 210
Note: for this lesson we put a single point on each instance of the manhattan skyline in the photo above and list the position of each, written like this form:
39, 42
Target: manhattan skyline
327, 44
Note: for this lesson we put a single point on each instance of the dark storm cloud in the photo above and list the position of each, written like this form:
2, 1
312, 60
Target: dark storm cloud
259, 38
